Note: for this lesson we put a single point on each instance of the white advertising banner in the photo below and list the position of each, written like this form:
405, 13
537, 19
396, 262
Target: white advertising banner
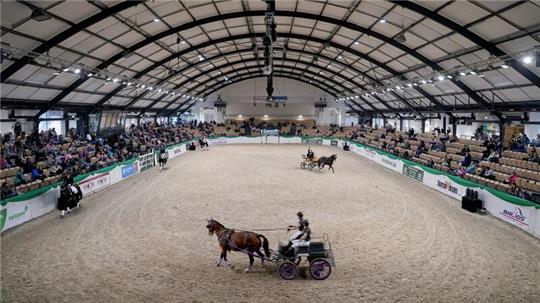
14, 214
95, 183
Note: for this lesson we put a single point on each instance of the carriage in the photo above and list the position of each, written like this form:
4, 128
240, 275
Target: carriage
318, 253
309, 163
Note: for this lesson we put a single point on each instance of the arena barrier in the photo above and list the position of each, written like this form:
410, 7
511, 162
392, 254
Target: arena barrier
516, 211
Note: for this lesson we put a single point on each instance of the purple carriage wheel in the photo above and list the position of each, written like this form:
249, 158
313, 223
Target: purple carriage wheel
287, 270
320, 269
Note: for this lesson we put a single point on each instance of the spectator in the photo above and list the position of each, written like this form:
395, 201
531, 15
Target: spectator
536, 142
7, 191
467, 160
533, 156
20, 178
37, 174
512, 180
489, 174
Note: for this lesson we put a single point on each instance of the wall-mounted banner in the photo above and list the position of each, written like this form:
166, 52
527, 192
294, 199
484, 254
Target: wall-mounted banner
334, 142
312, 141
515, 215
449, 188
14, 214
95, 183
147, 161
413, 172
130, 170
217, 141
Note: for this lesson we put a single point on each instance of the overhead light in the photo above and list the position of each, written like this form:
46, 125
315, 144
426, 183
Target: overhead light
472, 72
340, 57
108, 79
156, 19
481, 75
124, 83
150, 88
430, 81
440, 77
505, 66
356, 42
240, 116
129, 84
409, 85
527, 59
89, 75
415, 84
66, 69
423, 81
449, 76
300, 116
462, 73
382, 21
143, 86
166, 91
266, 116
159, 90
39, 14
78, 71
115, 80
56, 73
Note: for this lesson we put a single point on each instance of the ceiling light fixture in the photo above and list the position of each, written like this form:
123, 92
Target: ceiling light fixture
156, 19
505, 66
382, 21
527, 59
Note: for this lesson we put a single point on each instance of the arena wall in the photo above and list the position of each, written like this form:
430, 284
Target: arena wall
513, 210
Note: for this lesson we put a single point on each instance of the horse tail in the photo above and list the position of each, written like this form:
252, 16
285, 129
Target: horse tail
265, 245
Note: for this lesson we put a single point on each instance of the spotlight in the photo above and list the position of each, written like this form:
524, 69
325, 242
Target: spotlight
66, 69
266, 116
115, 80
462, 73
449, 76
472, 72
415, 84
440, 77
409, 85
527, 59
423, 81
155, 19
356, 42
505, 66
143, 86
129, 84
78, 71
56, 73
382, 21
89, 74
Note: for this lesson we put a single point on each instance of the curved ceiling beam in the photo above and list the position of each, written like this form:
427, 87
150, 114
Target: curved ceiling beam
68, 33
250, 50
284, 35
295, 14
491, 48
253, 75
257, 66
258, 74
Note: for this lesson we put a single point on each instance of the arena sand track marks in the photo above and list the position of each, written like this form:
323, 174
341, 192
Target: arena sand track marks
145, 239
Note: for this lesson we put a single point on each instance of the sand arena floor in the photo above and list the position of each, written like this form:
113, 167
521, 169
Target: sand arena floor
144, 240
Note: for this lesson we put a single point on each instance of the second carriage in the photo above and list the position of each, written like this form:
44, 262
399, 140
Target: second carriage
308, 163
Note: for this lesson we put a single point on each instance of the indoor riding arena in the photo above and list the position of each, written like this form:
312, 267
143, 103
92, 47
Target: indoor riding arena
270, 151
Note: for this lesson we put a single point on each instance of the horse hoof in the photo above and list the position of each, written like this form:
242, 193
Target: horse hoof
247, 269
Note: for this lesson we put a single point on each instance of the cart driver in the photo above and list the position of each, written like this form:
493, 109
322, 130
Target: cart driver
300, 230
304, 238
310, 154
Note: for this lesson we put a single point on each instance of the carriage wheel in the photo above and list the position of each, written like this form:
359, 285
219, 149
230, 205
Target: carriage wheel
320, 269
303, 164
311, 165
287, 270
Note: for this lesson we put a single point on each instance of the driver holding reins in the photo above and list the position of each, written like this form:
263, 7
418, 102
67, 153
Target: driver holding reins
310, 155
301, 229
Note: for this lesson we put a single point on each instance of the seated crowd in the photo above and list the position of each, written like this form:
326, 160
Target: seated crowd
483, 160
28, 162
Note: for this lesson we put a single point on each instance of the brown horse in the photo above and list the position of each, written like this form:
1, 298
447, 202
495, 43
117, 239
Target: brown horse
245, 241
